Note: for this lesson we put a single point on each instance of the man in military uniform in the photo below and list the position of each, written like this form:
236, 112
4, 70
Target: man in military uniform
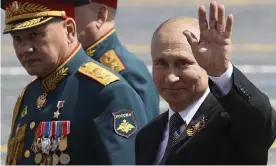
96, 32
76, 111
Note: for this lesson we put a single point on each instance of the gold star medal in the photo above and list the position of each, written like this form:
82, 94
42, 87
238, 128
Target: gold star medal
60, 104
56, 114
41, 101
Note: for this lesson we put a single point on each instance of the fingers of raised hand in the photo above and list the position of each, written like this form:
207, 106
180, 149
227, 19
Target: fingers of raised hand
229, 26
221, 19
192, 40
216, 19
203, 24
213, 14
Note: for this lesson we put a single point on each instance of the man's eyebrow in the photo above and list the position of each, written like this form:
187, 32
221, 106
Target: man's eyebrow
159, 59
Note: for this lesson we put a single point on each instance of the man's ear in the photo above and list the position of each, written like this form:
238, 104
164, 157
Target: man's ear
102, 15
70, 27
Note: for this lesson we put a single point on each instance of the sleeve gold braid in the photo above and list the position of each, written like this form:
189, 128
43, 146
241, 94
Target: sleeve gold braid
10, 151
17, 146
12, 141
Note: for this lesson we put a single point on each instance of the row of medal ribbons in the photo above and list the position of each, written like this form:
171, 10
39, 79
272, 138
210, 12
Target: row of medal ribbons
50, 143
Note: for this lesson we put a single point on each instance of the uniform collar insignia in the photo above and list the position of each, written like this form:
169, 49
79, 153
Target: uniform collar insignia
90, 51
50, 82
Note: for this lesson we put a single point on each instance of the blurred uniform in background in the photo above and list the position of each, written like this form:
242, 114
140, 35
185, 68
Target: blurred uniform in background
96, 32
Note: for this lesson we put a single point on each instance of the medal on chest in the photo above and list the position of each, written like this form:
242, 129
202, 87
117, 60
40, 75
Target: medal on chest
50, 143
60, 104
41, 101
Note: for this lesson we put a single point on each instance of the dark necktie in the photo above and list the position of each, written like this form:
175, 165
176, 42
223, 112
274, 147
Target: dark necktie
174, 132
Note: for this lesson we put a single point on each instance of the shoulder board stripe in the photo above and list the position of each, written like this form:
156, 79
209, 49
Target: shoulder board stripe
112, 60
98, 73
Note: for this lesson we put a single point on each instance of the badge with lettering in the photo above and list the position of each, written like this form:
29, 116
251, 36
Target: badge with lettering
124, 123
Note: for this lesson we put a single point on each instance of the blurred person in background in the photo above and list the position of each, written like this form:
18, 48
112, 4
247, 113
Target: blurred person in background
96, 31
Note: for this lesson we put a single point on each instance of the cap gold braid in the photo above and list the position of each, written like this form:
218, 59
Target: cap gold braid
27, 10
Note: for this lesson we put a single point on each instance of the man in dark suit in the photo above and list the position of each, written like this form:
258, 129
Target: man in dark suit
216, 115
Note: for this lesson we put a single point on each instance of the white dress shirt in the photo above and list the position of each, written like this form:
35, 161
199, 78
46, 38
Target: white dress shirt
224, 84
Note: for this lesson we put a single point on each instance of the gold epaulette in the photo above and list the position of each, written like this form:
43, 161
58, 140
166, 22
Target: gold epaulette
15, 144
98, 73
112, 60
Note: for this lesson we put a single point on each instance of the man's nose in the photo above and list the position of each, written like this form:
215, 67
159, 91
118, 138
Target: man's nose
25, 48
172, 77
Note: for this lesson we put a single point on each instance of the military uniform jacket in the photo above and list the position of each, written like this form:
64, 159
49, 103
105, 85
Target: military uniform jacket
82, 113
238, 128
109, 51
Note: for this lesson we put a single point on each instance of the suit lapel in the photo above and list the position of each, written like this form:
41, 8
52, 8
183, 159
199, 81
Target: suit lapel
201, 118
158, 129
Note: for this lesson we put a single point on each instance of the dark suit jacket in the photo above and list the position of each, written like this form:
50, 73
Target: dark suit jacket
240, 128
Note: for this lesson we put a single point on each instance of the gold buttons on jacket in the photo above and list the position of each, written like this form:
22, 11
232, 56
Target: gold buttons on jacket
32, 125
27, 153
